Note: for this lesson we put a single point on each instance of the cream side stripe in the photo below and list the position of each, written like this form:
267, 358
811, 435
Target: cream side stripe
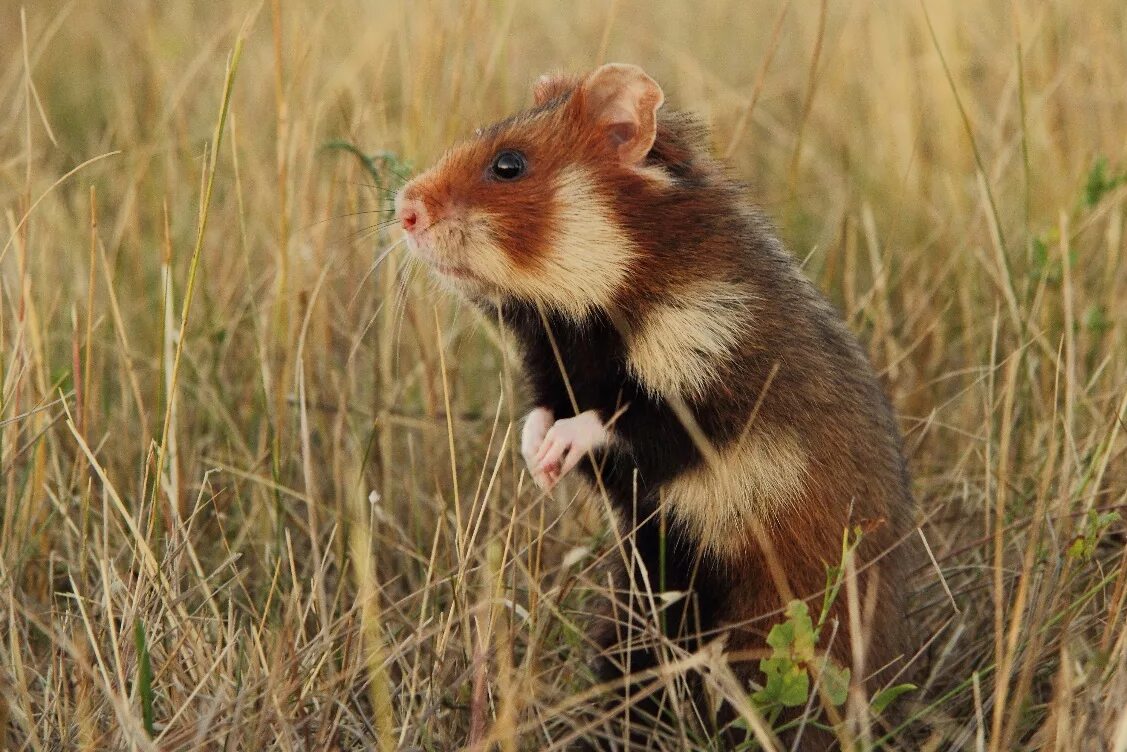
756, 480
678, 346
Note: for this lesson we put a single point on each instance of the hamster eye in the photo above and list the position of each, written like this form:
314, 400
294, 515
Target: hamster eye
508, 165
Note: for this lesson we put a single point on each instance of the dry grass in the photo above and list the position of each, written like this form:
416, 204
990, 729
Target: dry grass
289, 493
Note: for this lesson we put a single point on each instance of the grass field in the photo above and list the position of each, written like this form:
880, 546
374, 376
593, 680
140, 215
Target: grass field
260, 494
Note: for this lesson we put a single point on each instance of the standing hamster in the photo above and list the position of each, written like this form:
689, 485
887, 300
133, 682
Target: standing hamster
681, 362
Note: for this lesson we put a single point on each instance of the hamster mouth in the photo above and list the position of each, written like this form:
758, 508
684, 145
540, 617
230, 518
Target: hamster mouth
433, 246
456, 272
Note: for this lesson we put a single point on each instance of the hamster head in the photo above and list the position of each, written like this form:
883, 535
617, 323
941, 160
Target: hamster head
529, 208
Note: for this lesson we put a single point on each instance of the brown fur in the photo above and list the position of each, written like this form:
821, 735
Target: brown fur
695, 304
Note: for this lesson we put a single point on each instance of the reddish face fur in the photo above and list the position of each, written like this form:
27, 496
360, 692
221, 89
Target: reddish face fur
552, 235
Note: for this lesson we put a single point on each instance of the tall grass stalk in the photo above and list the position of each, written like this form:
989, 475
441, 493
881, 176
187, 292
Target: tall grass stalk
214, 349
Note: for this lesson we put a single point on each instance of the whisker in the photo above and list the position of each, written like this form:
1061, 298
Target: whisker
400, 310
379, 260
387, 192
311, 225
388, 210
361, 234
366, 232
401, 284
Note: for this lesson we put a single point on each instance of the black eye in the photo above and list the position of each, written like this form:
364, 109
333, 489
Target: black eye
508, 165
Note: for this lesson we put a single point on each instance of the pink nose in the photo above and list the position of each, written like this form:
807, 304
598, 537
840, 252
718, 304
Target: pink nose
412, 215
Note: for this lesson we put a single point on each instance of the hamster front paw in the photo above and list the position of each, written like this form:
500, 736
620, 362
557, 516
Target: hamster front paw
536, 425
564, 445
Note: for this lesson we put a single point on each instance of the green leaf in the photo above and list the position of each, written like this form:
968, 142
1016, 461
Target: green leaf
885, 697
781, 637
144, 677
1040, 255
1045, 264
376, 165
804, 637
1097, 179
787, 683
1105, 519
1095, 319
834, 577
1100, 183
792, 641
795, 687
1084, 545
835, 680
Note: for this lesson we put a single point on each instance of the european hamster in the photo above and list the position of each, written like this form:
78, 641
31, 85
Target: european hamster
681, 361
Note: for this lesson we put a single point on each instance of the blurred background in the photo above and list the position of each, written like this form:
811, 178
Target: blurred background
259, 478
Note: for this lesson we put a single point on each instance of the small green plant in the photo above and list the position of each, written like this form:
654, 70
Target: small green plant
144, 677
383, 167
1095, 319
1100, 183
787, 671
1045, 264
795, 659
1095, 524
888, 695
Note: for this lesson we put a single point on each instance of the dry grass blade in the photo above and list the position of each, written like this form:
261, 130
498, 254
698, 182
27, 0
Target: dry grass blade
206, 367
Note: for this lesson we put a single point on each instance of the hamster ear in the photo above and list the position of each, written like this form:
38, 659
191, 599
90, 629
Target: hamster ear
623, 101
551, 85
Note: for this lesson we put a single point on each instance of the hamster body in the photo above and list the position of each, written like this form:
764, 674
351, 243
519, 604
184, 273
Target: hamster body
678, 358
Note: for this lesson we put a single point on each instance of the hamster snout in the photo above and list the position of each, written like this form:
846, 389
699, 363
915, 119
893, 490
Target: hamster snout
412, 214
